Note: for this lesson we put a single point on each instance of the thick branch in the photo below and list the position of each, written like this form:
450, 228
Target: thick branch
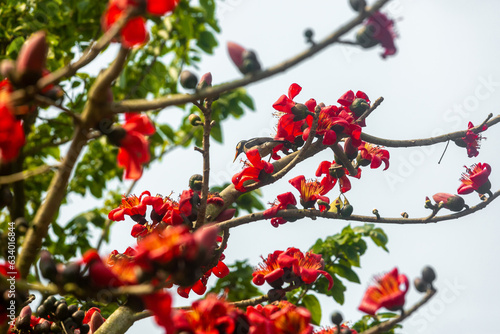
384, 327
160, 103
425, 141
299, 214
49, 208
118, 322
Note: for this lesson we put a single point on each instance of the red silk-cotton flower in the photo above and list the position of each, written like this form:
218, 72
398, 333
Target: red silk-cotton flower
386, 293
134, 147
160, 303
253, 172
355, 104
373, 155
291, 266
476, 178
279, 318
161, 7
472, 140
11, 130
132, 206
210, 316
382, 30
283, 201
311, 191
134, 33
101, 276
334, 172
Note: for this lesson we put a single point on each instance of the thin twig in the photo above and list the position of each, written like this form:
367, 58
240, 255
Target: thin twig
425, 141
26, 174
370, 110
160, 103
45, 100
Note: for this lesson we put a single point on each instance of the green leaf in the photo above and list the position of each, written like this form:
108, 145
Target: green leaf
312, 304
207, 41
15, 46
379, 238
345, 272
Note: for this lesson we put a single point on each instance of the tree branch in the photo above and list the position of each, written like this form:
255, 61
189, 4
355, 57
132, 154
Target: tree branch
26, 174
426, 141
163, 102
301, 213
118, 322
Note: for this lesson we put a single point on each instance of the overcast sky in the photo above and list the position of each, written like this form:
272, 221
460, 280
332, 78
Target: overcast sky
444, 75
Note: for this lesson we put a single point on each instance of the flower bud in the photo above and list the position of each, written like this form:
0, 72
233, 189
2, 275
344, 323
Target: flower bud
428, 274
47, 265
188, 80
451, 202
195, 182
351, 151
420, 285
95, 322
31, 59
364, 37
346, 210
23, 322
337, 318
357, 5
205, 81
195, 120
300, 111
359, 106
250, 63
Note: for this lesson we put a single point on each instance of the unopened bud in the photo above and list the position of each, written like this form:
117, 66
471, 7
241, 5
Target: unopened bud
205, 81
420, 285
359, 106
428, 274
300, 112
188, 80
31, 59
450, 202
7, 68
337, 318
357, 5
47, 265
195, 120
364, 37
404, 214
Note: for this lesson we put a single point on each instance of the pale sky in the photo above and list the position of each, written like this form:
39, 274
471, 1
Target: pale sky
444, 75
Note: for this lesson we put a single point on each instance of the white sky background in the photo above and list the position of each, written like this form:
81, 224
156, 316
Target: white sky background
445, 73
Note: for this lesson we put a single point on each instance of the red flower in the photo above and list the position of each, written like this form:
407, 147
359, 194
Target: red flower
386, 293
283, 202
132, 206
11, 130
253, 171
298, 268
134, 147
311, 191
134, 33
160, 303
94, 319
210, 316
472, 140
292, 320
334, 171
100, 274
383, 32
373, 155
355, 105
476, 178
161, 7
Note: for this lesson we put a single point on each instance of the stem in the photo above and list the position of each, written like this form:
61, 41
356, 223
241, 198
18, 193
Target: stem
160, 103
